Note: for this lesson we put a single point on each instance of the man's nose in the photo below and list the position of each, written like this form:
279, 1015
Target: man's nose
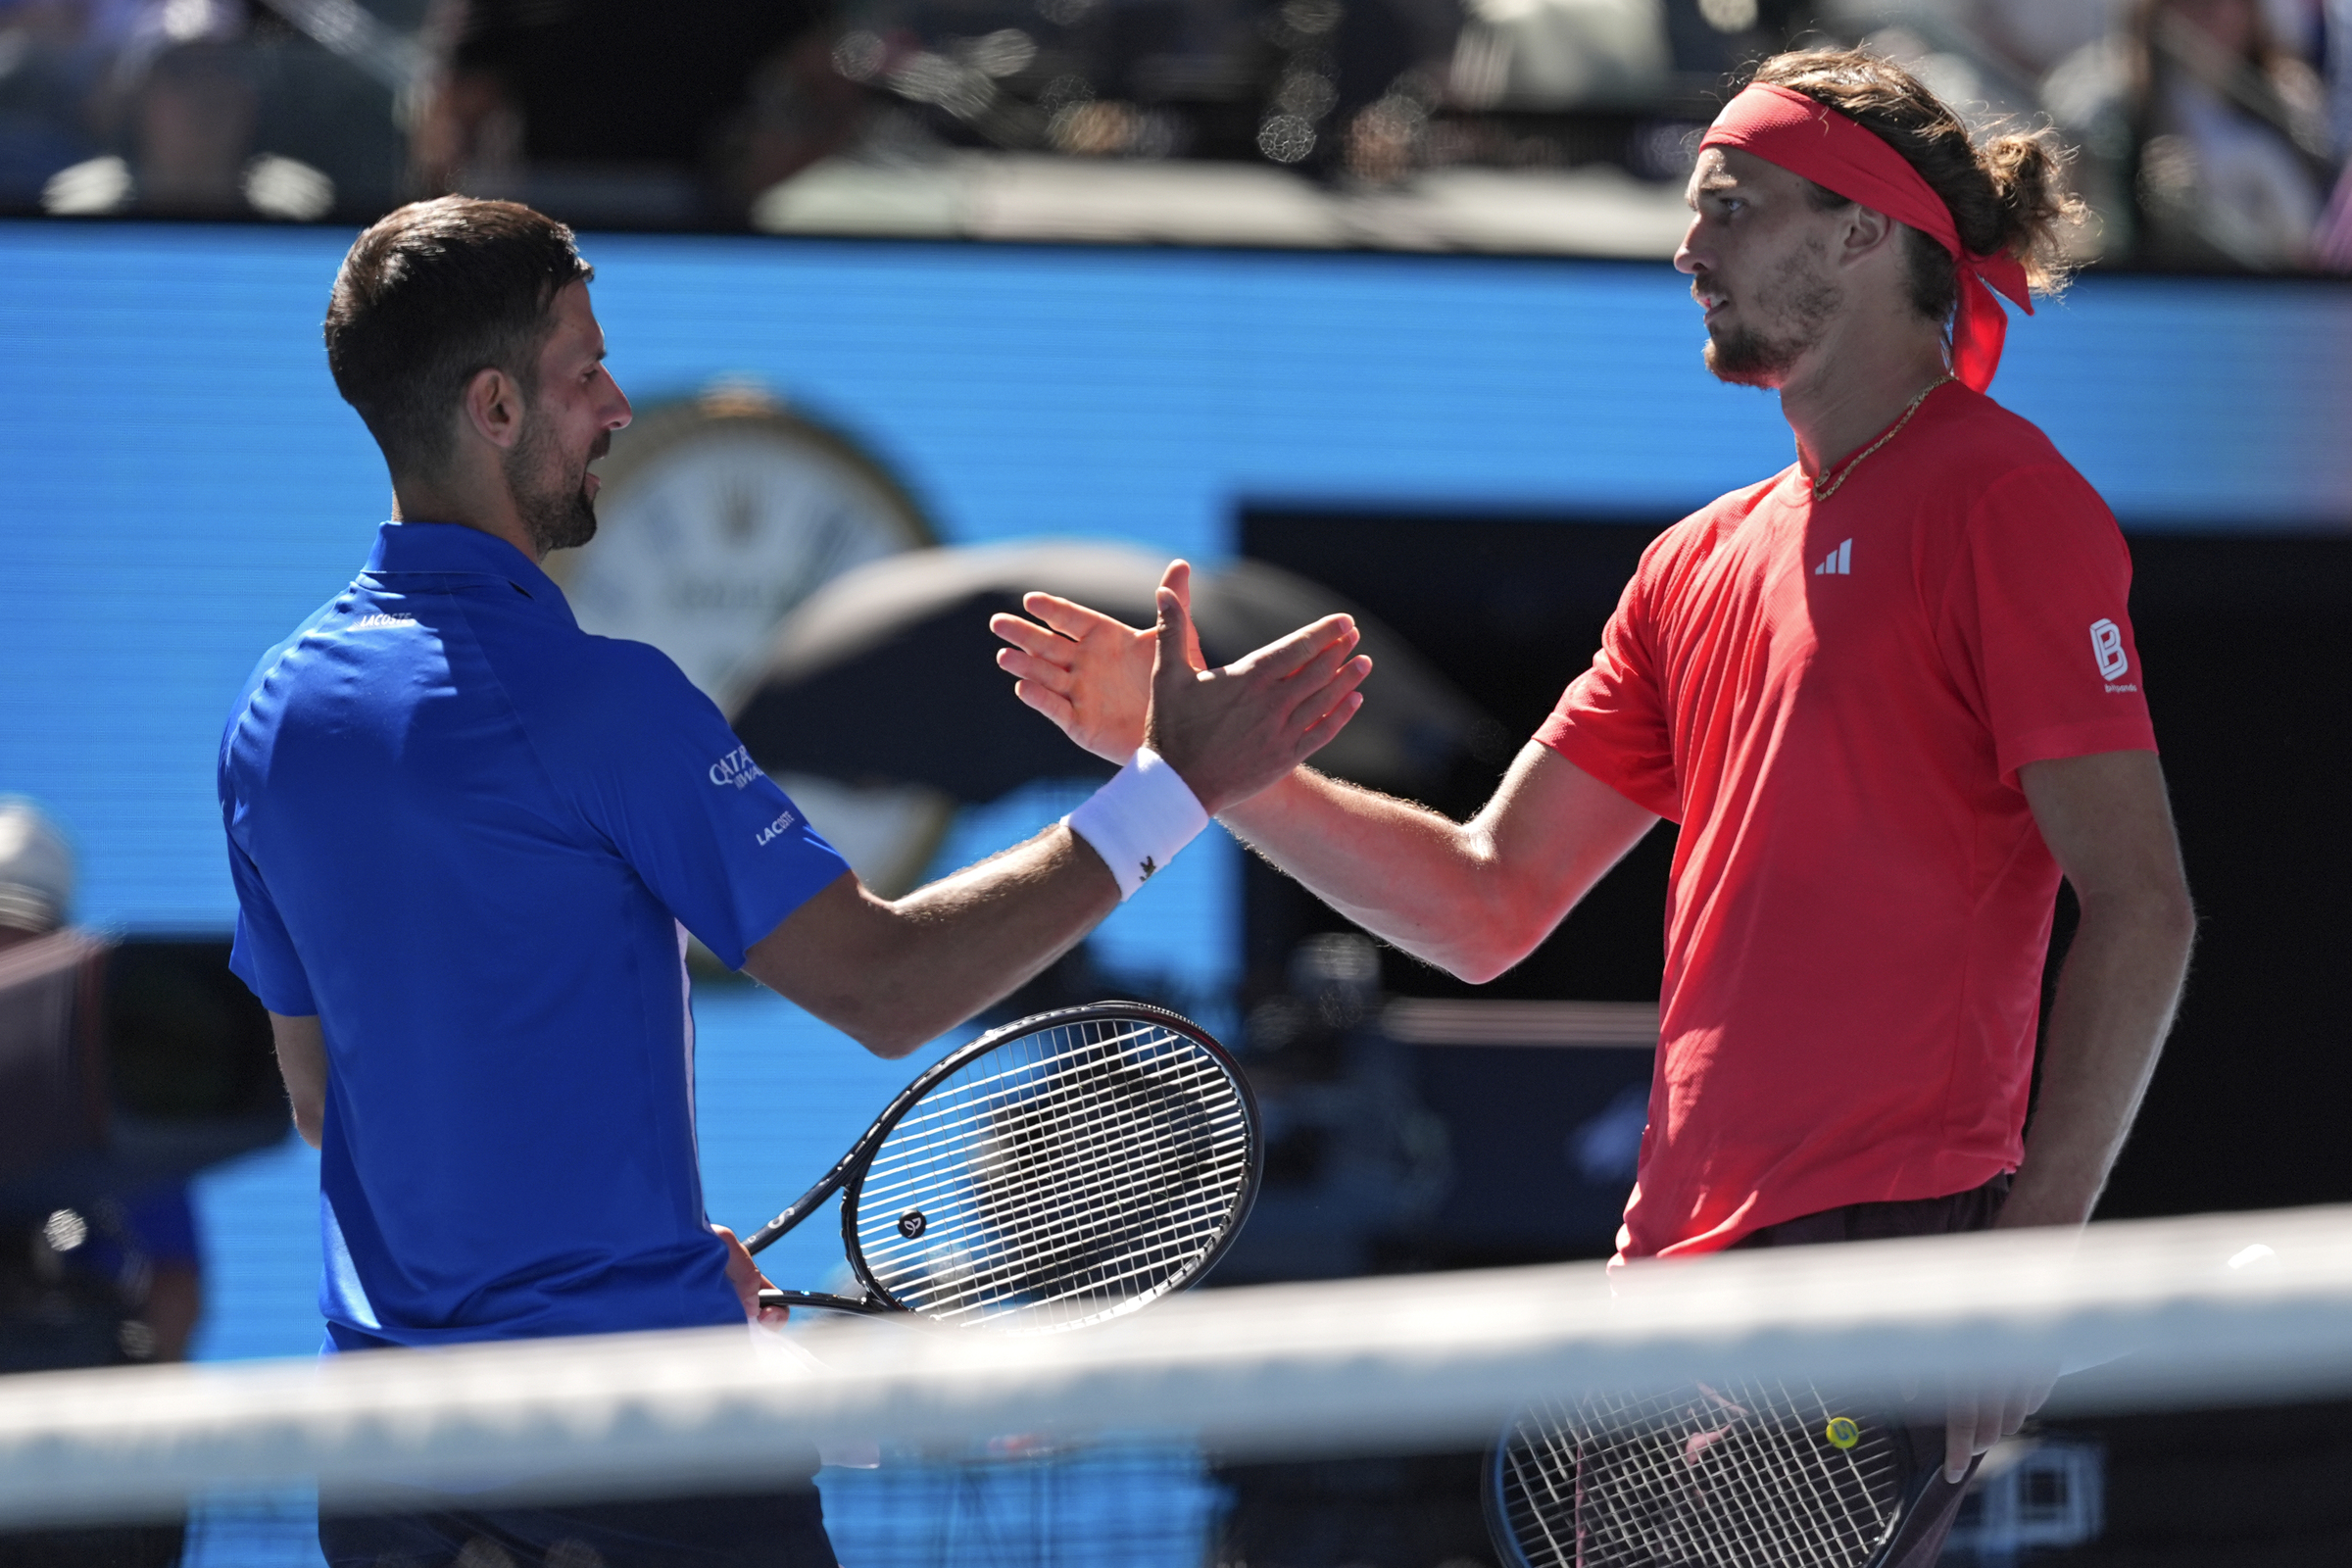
619, 416
1686, 259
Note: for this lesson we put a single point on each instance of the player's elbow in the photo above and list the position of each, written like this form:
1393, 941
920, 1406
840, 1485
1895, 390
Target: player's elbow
1479, 967
2173, 920
310, 1118
1488, 960
892, 1039
1497, 928
882, 1017
2153, 909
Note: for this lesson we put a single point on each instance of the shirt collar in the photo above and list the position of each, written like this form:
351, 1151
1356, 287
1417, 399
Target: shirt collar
452, 549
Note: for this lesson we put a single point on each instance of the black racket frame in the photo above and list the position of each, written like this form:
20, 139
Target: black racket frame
848, 1175
1919, 1471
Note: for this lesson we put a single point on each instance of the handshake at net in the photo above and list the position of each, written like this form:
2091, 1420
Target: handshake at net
1228, 733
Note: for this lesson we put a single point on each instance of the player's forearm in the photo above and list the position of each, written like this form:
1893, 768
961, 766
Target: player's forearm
1401, 871
894, 975
973, 938
2115, 1003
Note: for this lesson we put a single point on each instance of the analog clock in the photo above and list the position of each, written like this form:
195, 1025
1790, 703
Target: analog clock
716, 518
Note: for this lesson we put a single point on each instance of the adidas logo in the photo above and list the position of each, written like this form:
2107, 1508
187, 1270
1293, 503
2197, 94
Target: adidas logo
1841, 563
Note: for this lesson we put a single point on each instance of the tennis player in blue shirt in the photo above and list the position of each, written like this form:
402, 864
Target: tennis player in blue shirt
470, 842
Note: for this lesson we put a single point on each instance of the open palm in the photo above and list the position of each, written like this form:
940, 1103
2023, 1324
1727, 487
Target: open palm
1087, 672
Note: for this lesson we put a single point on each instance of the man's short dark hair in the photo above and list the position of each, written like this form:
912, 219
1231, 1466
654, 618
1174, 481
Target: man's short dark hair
429, 296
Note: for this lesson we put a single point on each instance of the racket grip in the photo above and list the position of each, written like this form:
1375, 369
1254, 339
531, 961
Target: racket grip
830, 1304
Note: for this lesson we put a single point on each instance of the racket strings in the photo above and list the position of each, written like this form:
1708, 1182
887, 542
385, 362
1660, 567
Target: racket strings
1067, 1174
1090, 1143
1176, 1238
1739, 1478
1060, 1230
1141, 1166
940, 1142
955, 1100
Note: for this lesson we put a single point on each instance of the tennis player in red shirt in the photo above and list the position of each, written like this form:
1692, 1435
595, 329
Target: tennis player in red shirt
1891, 694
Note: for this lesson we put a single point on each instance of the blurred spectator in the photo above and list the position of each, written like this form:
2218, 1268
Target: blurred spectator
110, 1280
2235, 161
36, 873
193, 126
203, 107
2032, 37
50, 70
161, 83
138, 1249
610, 111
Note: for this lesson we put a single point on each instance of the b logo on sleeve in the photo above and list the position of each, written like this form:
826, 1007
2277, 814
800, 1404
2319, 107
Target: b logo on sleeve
2107, 646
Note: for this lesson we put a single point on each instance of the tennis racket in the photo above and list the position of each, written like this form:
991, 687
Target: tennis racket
1056, 1172
1751, 1473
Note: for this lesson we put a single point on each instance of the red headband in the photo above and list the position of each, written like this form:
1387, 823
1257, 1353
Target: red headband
1786, 128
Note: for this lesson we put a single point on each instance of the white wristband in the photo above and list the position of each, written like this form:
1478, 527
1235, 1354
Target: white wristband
1140, 820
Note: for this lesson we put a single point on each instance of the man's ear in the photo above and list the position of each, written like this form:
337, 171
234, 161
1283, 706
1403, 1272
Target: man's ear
493, 409
1866, 233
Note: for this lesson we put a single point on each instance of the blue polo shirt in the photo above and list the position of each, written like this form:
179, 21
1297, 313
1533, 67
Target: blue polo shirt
473, 838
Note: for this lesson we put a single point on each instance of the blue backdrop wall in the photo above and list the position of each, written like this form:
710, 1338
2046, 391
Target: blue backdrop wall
179, 483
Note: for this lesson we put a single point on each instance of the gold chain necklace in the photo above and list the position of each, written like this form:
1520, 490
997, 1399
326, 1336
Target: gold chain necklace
1826, 487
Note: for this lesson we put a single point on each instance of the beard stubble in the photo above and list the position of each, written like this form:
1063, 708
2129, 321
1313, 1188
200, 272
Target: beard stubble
1800, 301
549, 496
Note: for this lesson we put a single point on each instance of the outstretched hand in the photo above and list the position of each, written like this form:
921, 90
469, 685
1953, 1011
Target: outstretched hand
1234, 731
1087, 672
1231, 732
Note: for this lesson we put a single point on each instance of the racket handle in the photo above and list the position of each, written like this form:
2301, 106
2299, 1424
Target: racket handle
831, 1304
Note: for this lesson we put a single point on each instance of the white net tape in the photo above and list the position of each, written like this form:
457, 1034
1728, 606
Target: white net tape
2221, 1308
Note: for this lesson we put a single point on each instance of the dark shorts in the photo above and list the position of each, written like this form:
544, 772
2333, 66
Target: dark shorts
1921, 1541
767, 1530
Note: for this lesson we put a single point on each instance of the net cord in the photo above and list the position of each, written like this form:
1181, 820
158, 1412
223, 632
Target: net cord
1394, 1365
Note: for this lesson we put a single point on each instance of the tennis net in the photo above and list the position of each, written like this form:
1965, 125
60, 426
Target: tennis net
1212, 1408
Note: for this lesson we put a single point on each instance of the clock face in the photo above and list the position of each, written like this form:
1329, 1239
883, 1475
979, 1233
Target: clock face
716, 518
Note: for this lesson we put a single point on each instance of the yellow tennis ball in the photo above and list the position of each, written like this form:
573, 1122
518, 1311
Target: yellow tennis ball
1841, 1432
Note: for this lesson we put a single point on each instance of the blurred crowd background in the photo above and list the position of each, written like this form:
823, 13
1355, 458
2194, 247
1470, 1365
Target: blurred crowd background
2211, 132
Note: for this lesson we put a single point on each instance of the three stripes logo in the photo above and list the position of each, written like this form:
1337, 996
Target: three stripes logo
1841, 562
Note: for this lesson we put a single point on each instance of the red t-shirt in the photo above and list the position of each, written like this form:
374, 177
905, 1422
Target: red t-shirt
1833, 699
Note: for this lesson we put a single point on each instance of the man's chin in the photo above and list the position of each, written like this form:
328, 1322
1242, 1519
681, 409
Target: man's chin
582, 529
1742, 359
575, 528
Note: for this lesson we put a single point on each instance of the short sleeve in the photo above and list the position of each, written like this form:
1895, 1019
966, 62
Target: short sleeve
2035, 628
262, 954
668, 784
1612, 720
